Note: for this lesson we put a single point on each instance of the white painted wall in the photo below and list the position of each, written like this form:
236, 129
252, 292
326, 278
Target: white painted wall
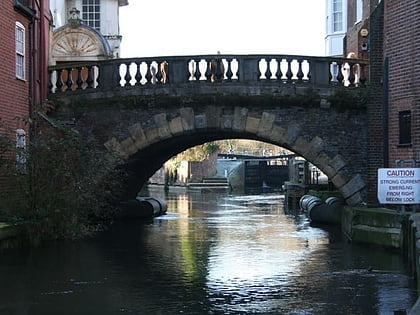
109, 27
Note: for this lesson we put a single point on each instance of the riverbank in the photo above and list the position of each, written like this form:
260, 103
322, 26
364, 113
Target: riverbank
389, 229
9, 231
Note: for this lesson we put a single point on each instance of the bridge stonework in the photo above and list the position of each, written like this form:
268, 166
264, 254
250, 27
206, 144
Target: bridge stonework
144, 125
145, 136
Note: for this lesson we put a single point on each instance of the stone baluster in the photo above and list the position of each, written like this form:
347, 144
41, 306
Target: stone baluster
148, 75
127, 76
259, 70
300, 74
279, 74
90, 76
59, 83
309, 74
138, 75
69, 81
340, 76
50, 81
229, 72
79, 81
107, 72
197, 73
289, 73
110, 74
208, 73
159, 74
352, 76
331, 78
220, 72
268, 72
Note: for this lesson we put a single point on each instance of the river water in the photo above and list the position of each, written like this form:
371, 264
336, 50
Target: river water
211, 254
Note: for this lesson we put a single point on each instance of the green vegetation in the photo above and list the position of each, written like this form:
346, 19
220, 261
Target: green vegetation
194, 154
59, 189
197, 153
249, 147
324, 194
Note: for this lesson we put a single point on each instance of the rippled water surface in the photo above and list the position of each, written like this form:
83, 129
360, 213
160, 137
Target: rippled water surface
211, 254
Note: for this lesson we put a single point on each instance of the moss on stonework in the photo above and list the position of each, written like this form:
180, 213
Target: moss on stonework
345, 99
342, 99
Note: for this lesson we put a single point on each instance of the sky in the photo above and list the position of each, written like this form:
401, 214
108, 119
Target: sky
191, 27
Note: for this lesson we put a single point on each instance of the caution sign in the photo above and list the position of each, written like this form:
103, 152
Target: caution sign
399, 185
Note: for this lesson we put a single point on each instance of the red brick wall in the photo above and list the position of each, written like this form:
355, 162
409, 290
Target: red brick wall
374, 110
402, 47
14, 93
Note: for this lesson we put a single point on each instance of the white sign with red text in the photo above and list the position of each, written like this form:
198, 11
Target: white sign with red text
399, 185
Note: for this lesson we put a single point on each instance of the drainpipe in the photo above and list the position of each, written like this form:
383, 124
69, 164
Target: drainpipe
31, 52
385, 113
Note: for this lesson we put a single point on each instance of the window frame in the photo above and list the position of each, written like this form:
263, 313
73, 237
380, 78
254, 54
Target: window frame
359, 11
20, 55
91, 13
337, 15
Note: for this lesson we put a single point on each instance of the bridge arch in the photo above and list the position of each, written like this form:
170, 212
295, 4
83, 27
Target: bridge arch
148, 144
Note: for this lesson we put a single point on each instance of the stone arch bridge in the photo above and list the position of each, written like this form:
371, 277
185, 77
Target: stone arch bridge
147, 110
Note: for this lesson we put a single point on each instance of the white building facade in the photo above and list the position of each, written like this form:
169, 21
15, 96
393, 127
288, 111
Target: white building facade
336, 26
85, 30
342, 15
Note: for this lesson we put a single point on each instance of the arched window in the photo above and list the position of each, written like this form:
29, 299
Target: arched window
20, 50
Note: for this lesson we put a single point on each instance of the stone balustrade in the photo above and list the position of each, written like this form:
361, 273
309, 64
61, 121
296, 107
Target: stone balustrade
208, 69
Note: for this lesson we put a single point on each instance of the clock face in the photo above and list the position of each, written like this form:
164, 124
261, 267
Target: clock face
364, 32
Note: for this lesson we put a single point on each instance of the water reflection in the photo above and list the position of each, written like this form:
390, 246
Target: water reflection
211, 254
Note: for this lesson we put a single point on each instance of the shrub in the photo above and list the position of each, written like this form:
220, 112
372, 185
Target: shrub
61, 190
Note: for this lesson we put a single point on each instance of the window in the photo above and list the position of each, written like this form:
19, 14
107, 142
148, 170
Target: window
405, 127
20, 150
91, 13
22, 2
337, 15
359, 10
20, 50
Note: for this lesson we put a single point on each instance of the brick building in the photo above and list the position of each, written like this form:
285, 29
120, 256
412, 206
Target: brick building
24, 27
24, 34
389, 35
401, 55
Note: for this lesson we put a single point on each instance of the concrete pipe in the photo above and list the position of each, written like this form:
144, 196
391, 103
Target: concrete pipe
142, 208
303, 202
323, 213
134, 209
306, 202
163, 207
150, 206
334, 200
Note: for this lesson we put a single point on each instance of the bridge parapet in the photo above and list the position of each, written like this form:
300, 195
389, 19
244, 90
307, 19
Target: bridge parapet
208, 69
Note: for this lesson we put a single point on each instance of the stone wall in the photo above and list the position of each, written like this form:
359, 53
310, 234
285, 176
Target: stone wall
144, 131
